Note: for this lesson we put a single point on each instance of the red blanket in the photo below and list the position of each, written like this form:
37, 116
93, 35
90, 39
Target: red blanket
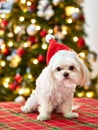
11, 118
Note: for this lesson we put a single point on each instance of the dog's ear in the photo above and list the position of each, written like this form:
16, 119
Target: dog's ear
45, 78
85, 72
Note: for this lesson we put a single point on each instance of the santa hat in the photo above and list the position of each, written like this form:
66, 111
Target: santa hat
54, 47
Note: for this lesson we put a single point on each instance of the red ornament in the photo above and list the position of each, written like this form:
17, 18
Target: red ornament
80, 43
4, 23
32, 39
63, 16
20, 51
5, 51
43, 33
33, 7
82, 18
41, 58
14, 86
18, 78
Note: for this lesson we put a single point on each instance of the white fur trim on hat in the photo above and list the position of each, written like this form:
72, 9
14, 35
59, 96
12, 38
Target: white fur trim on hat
49, 37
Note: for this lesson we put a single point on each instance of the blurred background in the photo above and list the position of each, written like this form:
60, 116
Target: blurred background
23, 27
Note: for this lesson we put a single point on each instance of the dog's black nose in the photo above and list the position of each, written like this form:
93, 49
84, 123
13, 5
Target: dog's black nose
65, 74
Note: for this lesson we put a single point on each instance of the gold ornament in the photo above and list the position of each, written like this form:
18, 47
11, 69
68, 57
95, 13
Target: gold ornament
15, 61
90, 94
69, 10
81, 94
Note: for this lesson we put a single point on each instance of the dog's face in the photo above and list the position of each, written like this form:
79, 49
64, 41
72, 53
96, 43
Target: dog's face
67, 67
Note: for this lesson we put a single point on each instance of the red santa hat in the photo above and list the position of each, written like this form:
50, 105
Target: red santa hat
54, 47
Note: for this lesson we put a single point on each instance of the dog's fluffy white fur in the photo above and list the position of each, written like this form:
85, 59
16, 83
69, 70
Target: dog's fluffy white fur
56, 85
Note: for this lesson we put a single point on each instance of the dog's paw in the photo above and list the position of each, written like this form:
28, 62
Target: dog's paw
43, 117
25, 109
71, 115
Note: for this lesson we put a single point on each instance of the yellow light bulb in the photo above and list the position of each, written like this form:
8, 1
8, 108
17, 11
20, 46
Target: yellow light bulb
76, 10
29, 3
35, 61
26, 44
81, 94
3, 16
1, 32
17, 29
30, 76
38, 27
90, 94
23, 1
75, 38
6, 85
3, 63
27, 91
2, 46
44, 46
69, 20
10, 43
24, 91
33, 21
64, 32
69, 10
7, 80
82, 55
21, 91
21, 18
50, 31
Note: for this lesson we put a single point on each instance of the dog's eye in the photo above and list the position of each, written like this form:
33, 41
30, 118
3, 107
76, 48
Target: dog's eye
58, 69
71, 67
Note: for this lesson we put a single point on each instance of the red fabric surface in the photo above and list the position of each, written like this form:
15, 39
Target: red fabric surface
11, 118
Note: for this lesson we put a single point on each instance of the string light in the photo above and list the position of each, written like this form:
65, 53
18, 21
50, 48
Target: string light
69, 20
44, 46
81, 94
89, 94
1, 32
7, 80
75, 38
33, 21
3, 63
50, 31
71, 10
25, 44
17, 29
64, 32
35, 61
76, 10
10, 43
3, 16
29, 3
38, 27
30, 76
82, 55
6, 85
23, 1
2, 46
21, 18
21, 91
24, 91
10, 34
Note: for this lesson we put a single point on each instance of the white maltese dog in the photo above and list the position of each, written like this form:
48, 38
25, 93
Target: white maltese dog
56, 85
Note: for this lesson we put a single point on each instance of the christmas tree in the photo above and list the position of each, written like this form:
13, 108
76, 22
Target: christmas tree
22, 41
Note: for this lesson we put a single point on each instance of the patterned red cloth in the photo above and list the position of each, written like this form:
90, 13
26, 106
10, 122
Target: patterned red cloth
11, 118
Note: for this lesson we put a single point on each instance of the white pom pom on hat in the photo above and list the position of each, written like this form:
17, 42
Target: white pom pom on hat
49, 37
54, 47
